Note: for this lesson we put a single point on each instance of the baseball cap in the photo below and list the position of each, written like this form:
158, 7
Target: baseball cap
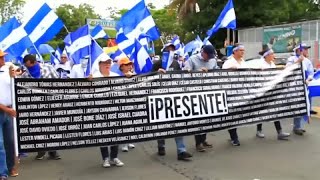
104, 58
302, 46
209, 49
124, 61
2, 53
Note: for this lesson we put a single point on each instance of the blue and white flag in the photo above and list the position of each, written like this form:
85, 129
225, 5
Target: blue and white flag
80, 44
226, 19
124, 43
43, 26
176, 42
167, 59
13, 38
67, 40
314, 85
118, 54
96, 52
138, 20
98, 32
58, 53
144, 40
141, 59
54, 60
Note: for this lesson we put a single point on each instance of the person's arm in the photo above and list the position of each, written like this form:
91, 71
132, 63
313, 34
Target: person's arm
8, 110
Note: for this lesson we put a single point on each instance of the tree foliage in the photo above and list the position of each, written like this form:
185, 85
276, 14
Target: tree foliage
9, 8
249, 13
73, 18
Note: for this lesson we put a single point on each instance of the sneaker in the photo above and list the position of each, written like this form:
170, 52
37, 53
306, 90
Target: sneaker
14, 172
283, 135
313, 112
200, 148
260, 134
298, 132
235, 142
40, 155
207, 145
106, 163
131, 146
54, 155
3, 178
184, 156
116, 162
161, 151
125, 148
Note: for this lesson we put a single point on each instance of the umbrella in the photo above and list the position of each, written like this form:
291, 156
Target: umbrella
42, 49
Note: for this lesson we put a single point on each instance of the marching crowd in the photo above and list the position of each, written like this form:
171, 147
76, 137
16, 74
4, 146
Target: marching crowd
203, 61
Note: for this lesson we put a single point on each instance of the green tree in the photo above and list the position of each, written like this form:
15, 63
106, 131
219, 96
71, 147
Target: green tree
73, 18
8, 8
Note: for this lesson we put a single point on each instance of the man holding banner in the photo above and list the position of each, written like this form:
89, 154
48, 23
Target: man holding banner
203, 62
36, 71
235, 62
301, 55
7, 156
158, 66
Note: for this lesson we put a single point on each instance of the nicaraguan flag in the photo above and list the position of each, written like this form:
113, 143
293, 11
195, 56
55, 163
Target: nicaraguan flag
43, 26
54, 60
314, 85
141, 59
13, 38
80, 44
167, 59
98, 32
117, 54
227, 19
124, 43
138, 20
58, 53
96, 53
144, 40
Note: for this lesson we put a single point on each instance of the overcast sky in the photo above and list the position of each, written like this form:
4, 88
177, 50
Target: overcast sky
100, 5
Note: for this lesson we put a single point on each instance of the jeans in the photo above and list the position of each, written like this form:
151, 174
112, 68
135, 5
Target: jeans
179, 142
113, 152
277, 125
7, 157
200, 139
297, 122
233, 134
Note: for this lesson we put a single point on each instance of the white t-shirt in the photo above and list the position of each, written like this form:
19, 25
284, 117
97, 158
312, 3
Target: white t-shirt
265, 65
98, 74
233, 63
78, 71
5, 86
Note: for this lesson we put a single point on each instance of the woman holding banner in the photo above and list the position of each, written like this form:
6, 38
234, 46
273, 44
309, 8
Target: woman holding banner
112, 157
267, 62
125, 69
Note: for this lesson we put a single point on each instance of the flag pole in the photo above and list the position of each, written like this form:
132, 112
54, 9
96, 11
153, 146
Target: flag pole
15, 130
37, 51
228, 35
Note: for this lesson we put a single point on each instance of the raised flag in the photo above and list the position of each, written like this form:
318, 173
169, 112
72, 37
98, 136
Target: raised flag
314, 85
80, 44
226, 19
43, 26
141, 59
13, 38
167, 59
98, 32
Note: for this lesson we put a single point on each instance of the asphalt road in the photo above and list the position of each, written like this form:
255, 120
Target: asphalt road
256, 159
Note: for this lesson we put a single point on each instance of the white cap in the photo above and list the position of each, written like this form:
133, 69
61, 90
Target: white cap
104, 58
302, 46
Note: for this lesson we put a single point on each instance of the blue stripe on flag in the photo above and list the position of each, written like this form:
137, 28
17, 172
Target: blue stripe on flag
43, 26
141, 59
13, 38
